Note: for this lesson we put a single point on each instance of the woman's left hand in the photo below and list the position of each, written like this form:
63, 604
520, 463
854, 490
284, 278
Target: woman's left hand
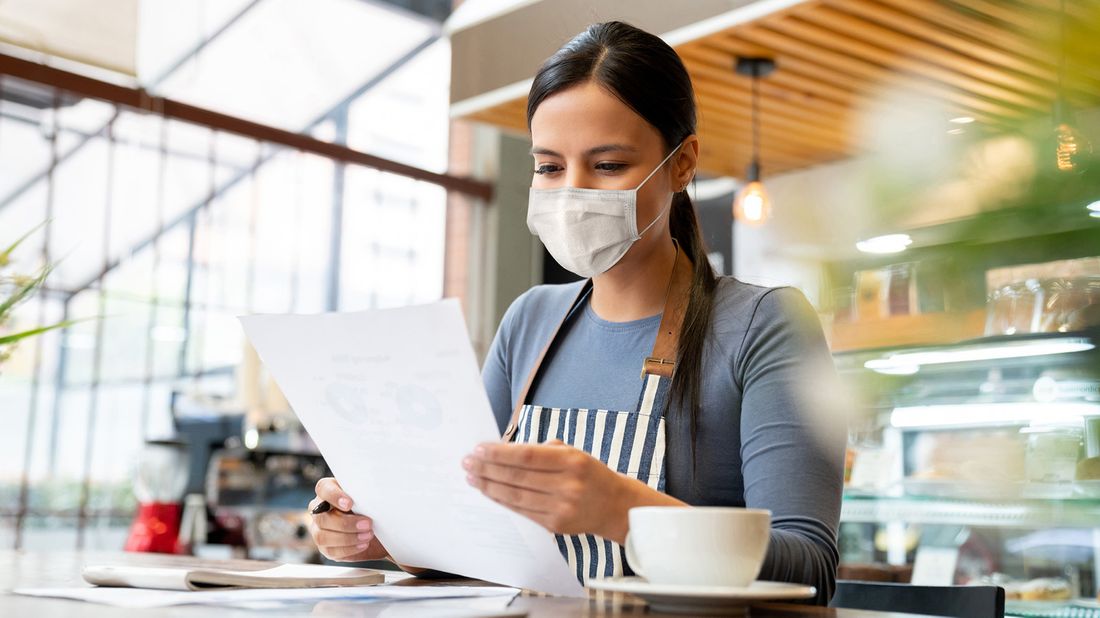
564, 489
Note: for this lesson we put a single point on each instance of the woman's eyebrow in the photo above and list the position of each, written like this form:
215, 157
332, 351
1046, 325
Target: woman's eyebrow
538, 150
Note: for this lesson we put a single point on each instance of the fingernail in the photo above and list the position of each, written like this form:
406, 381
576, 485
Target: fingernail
345, 504
363, 524
365, 536
480, 450
470, 479
362, 546
467, 462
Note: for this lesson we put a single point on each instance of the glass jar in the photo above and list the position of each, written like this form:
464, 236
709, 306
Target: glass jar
1052, 453
1085, 312
1010, 309
844, 304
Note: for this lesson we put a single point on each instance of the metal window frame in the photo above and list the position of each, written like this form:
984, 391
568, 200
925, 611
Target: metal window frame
141, 101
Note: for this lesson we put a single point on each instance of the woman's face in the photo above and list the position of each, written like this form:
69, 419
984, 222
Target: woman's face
584, 137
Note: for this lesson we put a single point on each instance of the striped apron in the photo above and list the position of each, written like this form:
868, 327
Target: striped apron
631, 442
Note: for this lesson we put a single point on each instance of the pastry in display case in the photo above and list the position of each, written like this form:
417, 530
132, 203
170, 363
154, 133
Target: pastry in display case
985, 450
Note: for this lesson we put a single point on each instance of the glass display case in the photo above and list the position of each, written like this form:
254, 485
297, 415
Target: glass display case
978, 462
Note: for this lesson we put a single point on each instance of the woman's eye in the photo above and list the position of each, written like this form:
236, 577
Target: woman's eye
610, 167
547, 168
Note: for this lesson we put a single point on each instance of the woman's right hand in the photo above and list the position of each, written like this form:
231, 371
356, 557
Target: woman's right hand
340, 534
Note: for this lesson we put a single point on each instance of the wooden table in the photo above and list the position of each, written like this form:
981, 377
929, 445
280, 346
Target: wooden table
62, 569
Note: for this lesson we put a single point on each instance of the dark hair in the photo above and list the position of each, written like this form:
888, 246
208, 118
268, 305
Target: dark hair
645, 73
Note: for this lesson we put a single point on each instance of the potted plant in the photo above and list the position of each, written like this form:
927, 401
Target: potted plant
14, 289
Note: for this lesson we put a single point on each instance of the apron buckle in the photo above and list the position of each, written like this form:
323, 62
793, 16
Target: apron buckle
663, 367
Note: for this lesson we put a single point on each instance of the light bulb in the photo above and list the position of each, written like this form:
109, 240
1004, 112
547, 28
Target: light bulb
752, 205
1070, 145
889, 243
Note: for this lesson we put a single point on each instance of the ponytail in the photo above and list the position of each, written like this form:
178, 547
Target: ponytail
687, 380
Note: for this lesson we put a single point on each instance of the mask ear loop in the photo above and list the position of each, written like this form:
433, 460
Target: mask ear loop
659, 166
666, 208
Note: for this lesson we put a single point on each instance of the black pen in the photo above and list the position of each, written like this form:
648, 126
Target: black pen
323, 507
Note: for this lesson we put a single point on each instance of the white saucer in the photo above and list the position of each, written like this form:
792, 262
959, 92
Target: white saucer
703, 599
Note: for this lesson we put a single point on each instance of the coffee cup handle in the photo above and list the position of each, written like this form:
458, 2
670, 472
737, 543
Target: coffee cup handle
631, 557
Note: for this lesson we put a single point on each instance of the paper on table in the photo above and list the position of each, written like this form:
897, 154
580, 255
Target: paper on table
144, 598
394, 400
282, 576
466, 607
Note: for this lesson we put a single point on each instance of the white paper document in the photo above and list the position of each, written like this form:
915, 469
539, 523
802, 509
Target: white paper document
144, 598
394, 400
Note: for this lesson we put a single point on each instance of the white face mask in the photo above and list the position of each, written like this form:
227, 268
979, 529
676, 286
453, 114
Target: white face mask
588, 230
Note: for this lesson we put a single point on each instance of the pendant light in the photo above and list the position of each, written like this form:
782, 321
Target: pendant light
752, 205
1071, 148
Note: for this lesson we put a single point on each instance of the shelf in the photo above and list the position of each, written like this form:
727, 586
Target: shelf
1000, 350
907, 330
996, 514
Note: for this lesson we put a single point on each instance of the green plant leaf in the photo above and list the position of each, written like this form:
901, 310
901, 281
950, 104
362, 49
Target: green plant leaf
12, 338
5, 256
25, 290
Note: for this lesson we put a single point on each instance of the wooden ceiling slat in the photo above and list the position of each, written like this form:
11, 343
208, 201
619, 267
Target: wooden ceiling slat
1006, 40
883, 76
1041, 27
500, 115
736, 146
787, 84
789, 64
782, 84
714, 159
739, 101
721, 167
735, 157
838, 58
1075, 10
919, 48
775, 156
740, 89
1031, 21
898, 62
864, 90
714, 118
917, 27
1084, 79
785, 143
772, 129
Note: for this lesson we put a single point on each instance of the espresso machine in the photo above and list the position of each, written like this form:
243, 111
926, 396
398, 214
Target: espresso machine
253, 472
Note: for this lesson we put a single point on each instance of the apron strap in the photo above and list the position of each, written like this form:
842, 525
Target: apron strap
510, 430
661, 362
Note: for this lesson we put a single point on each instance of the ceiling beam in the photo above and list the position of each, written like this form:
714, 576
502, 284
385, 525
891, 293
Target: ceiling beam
141, 100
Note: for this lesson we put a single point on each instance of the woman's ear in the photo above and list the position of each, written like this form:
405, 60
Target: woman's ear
685, 163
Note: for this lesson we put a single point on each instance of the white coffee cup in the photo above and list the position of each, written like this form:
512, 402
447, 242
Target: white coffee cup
698, 545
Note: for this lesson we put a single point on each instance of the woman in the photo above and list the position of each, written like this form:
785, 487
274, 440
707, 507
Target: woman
717, 417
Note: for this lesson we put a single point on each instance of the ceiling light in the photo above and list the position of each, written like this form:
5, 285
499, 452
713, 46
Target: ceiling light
903, 362
1070, 146
977, 414
752, 204
1094, 207
890, 243
962, 120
